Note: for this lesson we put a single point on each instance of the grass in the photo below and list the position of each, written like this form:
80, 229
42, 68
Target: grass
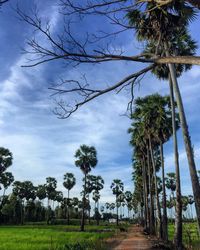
43, 237
190, 234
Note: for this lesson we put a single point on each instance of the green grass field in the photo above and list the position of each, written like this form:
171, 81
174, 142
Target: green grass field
190, 234
52, 237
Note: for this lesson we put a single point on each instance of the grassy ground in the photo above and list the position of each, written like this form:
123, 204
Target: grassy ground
190, 235
56, 237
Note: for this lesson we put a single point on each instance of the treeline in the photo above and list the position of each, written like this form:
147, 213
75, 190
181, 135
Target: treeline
155, 121
29, 203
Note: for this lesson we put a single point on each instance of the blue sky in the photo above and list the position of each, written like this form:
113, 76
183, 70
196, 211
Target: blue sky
43, 145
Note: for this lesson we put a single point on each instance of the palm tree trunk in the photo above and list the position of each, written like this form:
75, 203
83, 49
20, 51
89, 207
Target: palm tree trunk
156, 192
83, 209
164, 222
117, 211
178, 210
68, 208
151, 217
98, 213
146, 207
187, 140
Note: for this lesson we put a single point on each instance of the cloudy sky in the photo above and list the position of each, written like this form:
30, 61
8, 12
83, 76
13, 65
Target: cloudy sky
42, 144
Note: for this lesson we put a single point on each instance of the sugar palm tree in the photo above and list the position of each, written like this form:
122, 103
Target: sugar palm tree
86, 159
171, 182
117, 187
69, 183
128, 198
190, 202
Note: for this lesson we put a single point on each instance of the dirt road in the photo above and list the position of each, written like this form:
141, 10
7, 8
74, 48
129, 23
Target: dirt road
135, 240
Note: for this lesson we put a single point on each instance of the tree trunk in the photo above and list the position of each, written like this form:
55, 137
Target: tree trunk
156, 192
22, 211
83, 208
151, 203
117, 211
187, 140
146, 207
164, 221
178, 210
68, 208
98, 213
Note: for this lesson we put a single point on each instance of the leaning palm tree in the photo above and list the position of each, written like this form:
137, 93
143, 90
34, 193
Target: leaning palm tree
69, 182
117, 187
86, 159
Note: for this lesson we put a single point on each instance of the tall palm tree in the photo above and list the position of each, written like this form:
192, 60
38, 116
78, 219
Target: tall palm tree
86, 159
69, 183
117, 187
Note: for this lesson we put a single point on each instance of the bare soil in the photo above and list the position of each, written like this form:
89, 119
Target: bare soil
134, 239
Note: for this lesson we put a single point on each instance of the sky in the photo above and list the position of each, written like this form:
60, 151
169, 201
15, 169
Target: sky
43, 145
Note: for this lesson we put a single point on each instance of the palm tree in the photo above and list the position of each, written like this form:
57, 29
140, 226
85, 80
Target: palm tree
190, 202
86, 159
51, 185
69, 183
90, 183
171, 182
96, 196
41, 192
128, 198
117, 187
98, 185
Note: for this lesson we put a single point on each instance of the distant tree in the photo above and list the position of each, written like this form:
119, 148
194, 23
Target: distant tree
190, 202
69, 183
41, 192
128, 198
51, 184
6, 159
117, 187
107, 205
96, 196
86, 159
6, 178
24, 190
171, 182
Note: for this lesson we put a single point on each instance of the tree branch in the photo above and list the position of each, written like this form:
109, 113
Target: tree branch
64, 110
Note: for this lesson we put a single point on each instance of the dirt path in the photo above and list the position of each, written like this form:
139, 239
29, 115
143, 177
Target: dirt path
135, 240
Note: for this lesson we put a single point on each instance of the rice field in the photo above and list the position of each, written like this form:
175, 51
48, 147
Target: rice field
52, 237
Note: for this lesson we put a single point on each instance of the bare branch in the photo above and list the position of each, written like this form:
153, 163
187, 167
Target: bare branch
64, 110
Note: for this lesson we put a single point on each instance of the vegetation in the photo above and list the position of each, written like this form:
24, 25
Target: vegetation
49, 237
